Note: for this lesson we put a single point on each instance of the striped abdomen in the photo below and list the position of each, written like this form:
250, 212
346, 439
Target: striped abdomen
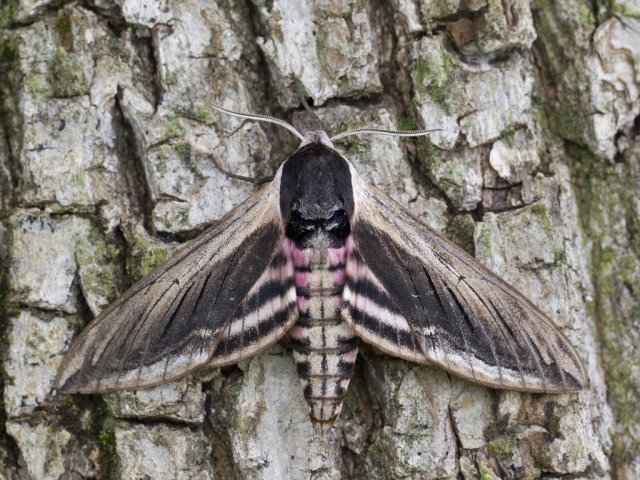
325, 347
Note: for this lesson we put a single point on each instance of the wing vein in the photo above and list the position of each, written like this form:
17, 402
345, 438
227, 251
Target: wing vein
501, 325
527, 341
415, 292
480, 324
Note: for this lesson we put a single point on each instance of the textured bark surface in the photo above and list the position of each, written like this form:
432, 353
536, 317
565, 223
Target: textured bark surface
110, 158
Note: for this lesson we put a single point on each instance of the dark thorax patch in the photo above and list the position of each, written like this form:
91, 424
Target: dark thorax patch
316, 194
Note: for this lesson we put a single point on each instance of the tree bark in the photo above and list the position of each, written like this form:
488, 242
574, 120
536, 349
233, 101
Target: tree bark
110, 158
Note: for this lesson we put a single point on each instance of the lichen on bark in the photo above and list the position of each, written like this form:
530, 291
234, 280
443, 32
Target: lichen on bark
110, 159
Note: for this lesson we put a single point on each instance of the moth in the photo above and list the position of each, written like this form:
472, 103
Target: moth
323, 256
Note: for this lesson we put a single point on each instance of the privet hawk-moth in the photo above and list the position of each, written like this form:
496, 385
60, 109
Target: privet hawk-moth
322, 256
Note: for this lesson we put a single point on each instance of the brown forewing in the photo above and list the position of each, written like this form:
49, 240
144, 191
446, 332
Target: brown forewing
463, 317
171, 322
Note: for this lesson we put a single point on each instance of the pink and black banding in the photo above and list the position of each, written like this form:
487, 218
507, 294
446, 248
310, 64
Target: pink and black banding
325, 346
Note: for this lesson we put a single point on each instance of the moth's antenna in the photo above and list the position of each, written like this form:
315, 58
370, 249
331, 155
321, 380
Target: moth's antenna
260, 118
379, 131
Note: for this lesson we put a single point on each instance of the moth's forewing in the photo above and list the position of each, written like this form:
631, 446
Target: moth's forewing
171, 322
462, 316
374, 312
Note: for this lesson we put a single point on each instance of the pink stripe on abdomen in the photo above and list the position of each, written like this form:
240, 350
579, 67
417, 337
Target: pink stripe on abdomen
325, 347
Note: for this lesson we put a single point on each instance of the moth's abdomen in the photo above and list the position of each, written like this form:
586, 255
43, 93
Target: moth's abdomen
324, 346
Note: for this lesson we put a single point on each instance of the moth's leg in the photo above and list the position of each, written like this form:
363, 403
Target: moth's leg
244, 178
254, 180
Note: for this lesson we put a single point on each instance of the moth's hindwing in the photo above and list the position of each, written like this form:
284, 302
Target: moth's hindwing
171, 322
266, 314
416, 295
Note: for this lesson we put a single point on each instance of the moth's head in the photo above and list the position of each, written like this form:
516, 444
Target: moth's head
316, 196
316, 136
315, 186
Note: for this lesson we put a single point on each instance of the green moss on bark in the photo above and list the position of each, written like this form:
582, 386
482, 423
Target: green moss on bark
8, 13
629, 8
143, 257
4, 318
434, 77
108, 459
461, 230
66, 76
607, 199
564, 42
503, 448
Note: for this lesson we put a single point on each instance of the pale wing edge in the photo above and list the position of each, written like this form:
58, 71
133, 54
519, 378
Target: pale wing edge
87, 348
393, 218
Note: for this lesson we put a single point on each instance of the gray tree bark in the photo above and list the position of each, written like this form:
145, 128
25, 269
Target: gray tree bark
110, 158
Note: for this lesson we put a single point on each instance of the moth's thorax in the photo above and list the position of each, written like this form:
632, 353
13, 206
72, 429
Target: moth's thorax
325, 346
316, 194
